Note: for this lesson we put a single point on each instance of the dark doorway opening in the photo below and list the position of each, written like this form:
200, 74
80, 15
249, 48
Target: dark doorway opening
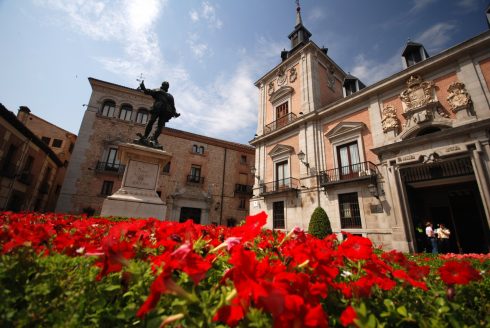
459, 207
190, 213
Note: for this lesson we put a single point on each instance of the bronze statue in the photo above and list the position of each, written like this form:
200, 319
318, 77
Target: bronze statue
163, 109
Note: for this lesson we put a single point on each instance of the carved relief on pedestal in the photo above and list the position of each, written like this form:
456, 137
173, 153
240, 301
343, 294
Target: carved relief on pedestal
281, 76
292, 75
418, 93
458, 97
389, 120
270, 88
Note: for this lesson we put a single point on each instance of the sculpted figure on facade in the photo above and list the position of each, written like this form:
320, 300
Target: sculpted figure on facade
458, 97
270, 88
281, 76
292, 74
418, 93
389, 120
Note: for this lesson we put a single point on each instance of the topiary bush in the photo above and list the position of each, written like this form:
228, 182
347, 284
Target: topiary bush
319, 224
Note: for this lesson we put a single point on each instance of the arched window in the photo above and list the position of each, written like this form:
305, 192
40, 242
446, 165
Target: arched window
125, 113
108, 108
142, 116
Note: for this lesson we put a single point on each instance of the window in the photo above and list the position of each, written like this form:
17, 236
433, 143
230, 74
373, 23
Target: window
142, 116
350, 217
58, 189
112, 163
198, 149
166, 168
243, 159
57, 143
195, 173
46, 140
125, 113
278, 215
72, 145
8, 168
242, 204
107, 188
413, 57
28, 164
108, 109
348, 159
281, 115
282, 174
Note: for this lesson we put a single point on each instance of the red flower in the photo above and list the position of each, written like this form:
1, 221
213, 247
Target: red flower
348, 316
455, 272
356, 248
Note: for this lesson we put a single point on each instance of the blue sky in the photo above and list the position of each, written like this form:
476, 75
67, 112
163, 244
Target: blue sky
211, 52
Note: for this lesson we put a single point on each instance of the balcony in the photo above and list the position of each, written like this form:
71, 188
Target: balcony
109, 168
279, 186
280, 122
194, 179
354, 172
26, 178
243, 189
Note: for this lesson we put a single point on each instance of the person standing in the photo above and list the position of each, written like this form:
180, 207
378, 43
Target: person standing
431, 236
443, 234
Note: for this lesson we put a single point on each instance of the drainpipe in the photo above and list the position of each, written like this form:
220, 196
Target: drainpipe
222, 189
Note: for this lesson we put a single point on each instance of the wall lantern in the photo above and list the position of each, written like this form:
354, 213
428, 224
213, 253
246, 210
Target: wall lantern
301, 157
253, 170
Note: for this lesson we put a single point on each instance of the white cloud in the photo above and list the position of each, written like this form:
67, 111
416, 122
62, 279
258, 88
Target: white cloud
437, 36
208, 14
199, 49
468, 5
316, 14
418, 5
370, 71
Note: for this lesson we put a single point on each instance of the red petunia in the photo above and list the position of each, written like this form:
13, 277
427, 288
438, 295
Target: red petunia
456, 272
356, 248
348, 316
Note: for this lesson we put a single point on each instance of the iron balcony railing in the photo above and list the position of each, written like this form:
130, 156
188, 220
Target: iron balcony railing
358, 171
280, 122
112, 168
195, 179
243, 189
437, 170
26, 178
288, 184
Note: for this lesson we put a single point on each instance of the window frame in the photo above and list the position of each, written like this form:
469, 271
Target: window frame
105, 189
108, 108
354, 194
141, 113
126, 109
55, 142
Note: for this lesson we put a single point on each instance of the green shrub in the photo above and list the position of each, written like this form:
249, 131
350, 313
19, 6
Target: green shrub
319, 224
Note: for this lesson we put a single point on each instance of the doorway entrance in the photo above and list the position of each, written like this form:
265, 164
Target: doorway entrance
190, 213
459, 207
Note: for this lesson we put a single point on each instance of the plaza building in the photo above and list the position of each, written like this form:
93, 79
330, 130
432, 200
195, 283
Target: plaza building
31, 173
207, 179
382, 159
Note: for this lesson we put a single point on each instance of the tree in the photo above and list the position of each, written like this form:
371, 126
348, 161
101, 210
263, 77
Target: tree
319, 224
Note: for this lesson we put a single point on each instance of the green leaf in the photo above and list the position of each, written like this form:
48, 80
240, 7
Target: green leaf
402, 310
112, 288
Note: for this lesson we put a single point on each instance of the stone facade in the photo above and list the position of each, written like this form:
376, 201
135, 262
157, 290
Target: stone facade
384, 159
208, 179
29, 170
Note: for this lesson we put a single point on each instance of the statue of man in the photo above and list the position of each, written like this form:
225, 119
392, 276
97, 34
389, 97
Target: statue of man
163, 109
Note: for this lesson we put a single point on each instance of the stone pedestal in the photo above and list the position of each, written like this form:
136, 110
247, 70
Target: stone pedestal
137, 196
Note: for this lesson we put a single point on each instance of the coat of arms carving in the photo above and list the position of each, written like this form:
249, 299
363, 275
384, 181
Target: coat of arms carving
292, 75
281, 76
418, 93
458, 96
389, 120
270, 88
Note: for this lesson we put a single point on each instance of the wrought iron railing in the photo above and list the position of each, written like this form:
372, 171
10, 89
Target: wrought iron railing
363, 170
243, 189
455, 168
280, 122
195, 179
106, 167
279, 186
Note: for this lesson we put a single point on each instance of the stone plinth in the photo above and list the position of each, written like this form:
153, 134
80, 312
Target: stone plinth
137, 196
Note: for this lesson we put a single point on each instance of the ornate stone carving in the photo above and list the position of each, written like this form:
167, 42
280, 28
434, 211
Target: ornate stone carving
292, 74
418, 93
389, 120
271, 88
281, 76
458, 96
331, 76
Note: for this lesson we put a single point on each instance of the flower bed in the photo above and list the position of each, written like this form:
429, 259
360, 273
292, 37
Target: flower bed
61, 270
